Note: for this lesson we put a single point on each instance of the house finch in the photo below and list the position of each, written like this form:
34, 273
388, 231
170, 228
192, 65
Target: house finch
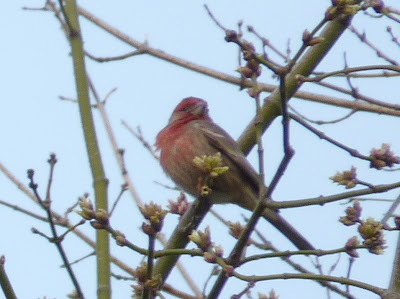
191, 133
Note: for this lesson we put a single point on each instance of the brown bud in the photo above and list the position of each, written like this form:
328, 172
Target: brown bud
102, 216
397, 221
253, 64
352, 214
350, 9
179, 206
87, 214
231, 36
153, 283
201, 239
86, 205
271, 295
120, 238
377, 5
137, 290
141, 272
372, 233
148, 229
210, 258
245, 71
351, 245
248, 55
346, 178
155, 214
306, 36
331, 13
254, 92
97, 225
383, 157
235, 229
219, 251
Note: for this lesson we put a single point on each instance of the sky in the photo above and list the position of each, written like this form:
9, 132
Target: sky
36, 69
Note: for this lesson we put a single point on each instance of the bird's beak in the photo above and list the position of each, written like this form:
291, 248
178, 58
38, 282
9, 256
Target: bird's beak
200, 109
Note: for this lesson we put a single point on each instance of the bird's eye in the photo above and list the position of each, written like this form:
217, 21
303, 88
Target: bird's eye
186, 108
189, 108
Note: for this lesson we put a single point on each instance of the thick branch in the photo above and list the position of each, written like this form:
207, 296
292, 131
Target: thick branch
99, 180
304, 67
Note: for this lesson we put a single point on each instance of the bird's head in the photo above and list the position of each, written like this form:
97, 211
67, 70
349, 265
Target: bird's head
189, 109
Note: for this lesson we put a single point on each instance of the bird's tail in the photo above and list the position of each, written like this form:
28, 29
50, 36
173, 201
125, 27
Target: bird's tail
287, 229
280, 224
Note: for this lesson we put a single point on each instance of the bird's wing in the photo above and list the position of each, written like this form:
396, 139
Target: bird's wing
222, 142
228, 147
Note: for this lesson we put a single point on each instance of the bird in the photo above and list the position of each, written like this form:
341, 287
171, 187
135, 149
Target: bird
191, 133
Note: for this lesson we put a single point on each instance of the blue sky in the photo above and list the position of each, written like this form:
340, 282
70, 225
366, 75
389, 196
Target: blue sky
36, 69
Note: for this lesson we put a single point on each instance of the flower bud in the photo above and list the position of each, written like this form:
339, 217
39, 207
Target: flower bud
179, 206
245, 71
377, 5
397, 221
306, 36
141, 272
209, 257
230, 36
351, 245
346, 178
155, 215
372, 233
383, 157
352, 214
97, 225
102, 216
201, 239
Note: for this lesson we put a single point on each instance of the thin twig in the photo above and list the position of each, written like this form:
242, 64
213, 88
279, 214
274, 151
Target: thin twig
322, 122
351, 151
70, 209
395, 40
147, 292
379, 53
349, 70
214, 18
116, 149
141, 138
93, 253
301, 269
268, 44
288, 150
56, 239
286, 254
23, 211
360, 96
124, 187
215, 270
351, 263
115, 58
321, 200
59, 220
256, 278
305, 44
